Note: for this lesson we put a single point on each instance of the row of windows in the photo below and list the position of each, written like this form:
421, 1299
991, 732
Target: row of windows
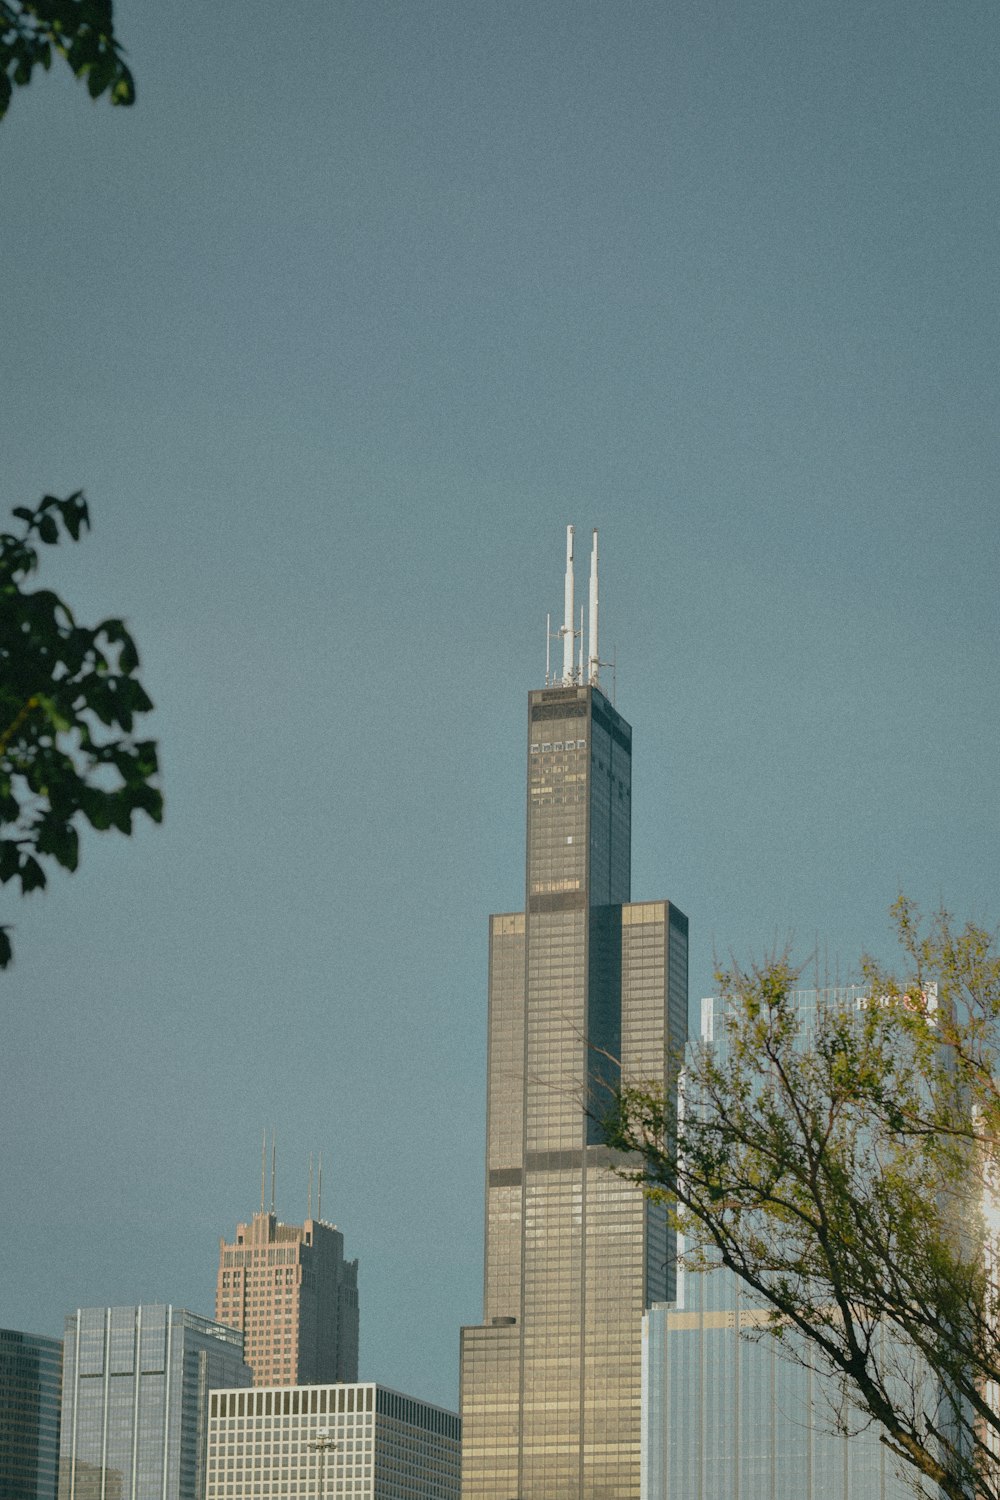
545, 747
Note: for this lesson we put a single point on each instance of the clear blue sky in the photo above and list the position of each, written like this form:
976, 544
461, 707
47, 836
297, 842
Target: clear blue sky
338, 328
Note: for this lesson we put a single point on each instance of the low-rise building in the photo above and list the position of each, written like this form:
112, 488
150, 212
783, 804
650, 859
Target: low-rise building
331, 1442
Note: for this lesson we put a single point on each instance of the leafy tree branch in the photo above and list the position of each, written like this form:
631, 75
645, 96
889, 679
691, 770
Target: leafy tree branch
69, 699
32, 32
843, 1165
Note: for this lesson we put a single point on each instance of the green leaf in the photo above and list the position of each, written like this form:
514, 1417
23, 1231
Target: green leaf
6, 951
32, 875
10, 860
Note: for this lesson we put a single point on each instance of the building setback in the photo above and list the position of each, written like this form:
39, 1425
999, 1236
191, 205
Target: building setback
581, 982
315, 1442
288, 1288
136, 1382
30, 1377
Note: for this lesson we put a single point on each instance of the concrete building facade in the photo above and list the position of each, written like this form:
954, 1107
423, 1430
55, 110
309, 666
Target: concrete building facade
317, 1442
290, 1291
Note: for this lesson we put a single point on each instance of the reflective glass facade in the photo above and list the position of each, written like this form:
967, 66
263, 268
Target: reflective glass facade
30, 1376
136, 1383
331, 1442
583, 983
728, 1414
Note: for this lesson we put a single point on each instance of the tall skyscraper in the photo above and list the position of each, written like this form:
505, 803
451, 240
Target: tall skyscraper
582, 983
730, 1414
135, 1401
30, 1376
295, 1298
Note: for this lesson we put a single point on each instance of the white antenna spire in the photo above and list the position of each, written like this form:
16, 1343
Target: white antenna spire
579, 675
567, 629
548, 648
594, 663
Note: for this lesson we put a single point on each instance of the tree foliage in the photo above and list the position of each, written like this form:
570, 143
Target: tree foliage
81, 31
69, 697
842, 1163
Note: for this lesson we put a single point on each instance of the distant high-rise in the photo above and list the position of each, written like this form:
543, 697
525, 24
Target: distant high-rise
582, 982
135, 1401
331, 1442
30, 1373
730, 1413
295, 1297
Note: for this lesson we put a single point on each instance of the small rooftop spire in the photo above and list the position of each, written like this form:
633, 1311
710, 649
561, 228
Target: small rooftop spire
568, 632
593, 663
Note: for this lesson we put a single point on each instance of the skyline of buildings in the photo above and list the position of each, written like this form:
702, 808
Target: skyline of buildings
582, 982
135, 1401
293, 1295
597, 1373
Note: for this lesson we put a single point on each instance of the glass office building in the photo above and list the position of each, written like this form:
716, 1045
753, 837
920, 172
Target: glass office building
581, 982
136, 1382
30, 1377
728, 1413
317, 1442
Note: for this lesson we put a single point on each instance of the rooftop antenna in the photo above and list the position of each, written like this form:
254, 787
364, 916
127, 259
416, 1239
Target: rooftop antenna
594, 657
319, 1196
273, 1165
548, 648
568, 612
263, 1167
310, 1213
579, 676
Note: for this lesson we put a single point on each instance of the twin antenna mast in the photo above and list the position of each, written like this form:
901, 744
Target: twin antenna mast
274, 1162
575, 672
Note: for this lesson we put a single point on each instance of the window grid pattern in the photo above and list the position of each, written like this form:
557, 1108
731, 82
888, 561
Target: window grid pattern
727, 1415
293, 1295
551, 1383
30, 1374
136, 1384
352, 1441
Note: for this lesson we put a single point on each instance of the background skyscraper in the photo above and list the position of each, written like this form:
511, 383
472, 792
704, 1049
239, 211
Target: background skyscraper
730, 1414
30, 1375
581, 981
294, 1296
135, 1401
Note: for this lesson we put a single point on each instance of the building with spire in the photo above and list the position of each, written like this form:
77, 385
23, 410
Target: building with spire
584, 986
293, 1295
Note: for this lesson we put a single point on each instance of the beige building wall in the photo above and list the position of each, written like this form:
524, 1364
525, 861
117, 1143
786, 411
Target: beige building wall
290, 1291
